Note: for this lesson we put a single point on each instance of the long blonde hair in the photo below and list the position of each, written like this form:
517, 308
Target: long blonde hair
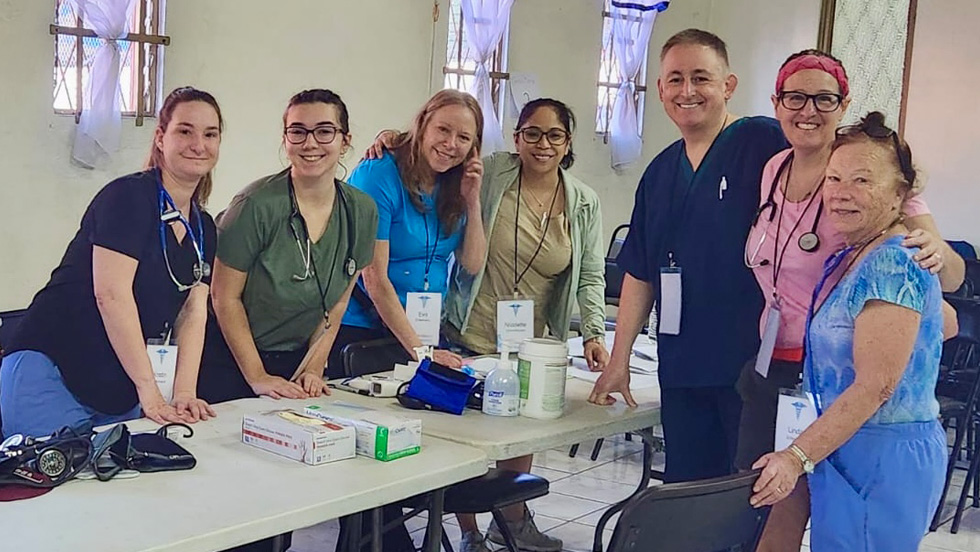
181, 95
407, 149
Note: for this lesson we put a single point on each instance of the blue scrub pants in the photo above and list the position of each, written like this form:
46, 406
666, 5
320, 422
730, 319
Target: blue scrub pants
700, 431
878, 492
35, 401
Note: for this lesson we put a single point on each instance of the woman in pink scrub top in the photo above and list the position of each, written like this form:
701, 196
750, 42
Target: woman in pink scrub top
786, 249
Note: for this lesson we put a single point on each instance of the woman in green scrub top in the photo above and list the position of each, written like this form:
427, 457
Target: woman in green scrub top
291, 246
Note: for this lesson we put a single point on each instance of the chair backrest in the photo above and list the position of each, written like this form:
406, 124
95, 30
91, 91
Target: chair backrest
614, 282
972, 280
964, 249
8, 324
370, 357
696, 516
616, 241
614, 274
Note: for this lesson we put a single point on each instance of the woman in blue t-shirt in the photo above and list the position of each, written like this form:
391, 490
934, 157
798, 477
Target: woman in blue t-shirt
138, 270
427, 189
876, 455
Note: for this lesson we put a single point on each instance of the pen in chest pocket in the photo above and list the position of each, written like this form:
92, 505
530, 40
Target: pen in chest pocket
722, 186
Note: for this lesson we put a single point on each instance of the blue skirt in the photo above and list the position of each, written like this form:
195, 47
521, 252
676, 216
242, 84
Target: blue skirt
878, 492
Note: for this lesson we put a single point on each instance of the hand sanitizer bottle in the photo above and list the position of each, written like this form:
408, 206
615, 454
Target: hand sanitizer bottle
502, 389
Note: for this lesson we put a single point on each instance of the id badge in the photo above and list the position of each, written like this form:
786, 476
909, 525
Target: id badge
515, 322
764, 358
794, 414
163, 360
670, 301
424, 312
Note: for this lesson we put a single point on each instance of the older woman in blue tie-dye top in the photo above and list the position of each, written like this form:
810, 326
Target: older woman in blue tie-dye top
876, 451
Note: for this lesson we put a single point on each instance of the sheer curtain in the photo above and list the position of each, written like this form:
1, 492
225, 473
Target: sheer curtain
632, 23
97, 135
484, 23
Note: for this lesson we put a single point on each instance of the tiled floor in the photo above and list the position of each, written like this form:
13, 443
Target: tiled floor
582, 489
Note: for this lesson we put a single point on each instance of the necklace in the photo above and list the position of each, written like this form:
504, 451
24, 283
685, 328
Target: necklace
546, 214
789, 176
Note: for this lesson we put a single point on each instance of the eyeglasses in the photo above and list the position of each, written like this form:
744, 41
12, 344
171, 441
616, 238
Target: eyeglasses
904, 155
533, 135
322, 134
824, 102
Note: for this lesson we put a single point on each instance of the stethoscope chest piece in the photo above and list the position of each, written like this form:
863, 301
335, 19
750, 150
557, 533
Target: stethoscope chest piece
202, 270
809, 242
351, 267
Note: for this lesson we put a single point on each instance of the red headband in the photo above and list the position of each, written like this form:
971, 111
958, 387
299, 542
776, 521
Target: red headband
810, 61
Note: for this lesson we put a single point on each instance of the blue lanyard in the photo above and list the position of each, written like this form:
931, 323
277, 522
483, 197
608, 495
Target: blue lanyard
201, 269
829, 267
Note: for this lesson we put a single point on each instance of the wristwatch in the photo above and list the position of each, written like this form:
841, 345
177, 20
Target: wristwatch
804, 459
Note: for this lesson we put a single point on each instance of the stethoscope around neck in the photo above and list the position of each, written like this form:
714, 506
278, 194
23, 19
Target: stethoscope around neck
169, 213
808, 241
306, 254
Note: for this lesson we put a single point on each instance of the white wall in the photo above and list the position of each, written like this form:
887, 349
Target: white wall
375, 54
943, 118
760, 36
251, 55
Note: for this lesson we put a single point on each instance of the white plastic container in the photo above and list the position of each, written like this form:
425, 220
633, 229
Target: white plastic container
502, 389
542, 365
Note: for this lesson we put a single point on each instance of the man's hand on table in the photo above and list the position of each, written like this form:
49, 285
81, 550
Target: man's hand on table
615, 378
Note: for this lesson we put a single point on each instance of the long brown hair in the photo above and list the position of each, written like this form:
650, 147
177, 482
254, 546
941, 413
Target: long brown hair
181, 95
407, 149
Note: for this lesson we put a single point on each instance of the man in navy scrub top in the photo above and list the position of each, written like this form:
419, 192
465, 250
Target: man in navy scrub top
694, 207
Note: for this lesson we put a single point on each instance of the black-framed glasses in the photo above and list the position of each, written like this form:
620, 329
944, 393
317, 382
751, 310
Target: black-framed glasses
904, 155
825, 102
325, 134
533, 135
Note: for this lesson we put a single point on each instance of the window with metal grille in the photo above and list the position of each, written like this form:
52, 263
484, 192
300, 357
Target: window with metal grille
141, 63
609, 81
460, 69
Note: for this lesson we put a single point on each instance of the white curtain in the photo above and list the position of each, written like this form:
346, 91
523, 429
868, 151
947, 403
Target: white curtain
632, 23
97, 135
484, 22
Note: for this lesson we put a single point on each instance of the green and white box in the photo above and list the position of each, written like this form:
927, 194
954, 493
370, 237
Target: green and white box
380, 435
309, 439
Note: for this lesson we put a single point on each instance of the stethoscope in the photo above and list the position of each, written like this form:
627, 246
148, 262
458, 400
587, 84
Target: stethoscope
808, 241
309, 265
168, 214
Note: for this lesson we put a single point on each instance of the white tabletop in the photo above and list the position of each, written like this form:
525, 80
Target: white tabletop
502, 438
236, 494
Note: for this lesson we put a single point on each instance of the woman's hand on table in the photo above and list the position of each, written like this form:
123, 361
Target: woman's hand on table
780, 473
447, 358
157, 409
596, 355
930, 255
190, 407
277, 388
313, 384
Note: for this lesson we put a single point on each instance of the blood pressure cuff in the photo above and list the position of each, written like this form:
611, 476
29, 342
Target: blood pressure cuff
29, 467
438, 387
116, 449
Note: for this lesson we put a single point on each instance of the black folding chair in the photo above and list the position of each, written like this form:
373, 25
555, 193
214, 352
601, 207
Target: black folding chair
614, 274
370, 357
696, 516
958, 393
9, 321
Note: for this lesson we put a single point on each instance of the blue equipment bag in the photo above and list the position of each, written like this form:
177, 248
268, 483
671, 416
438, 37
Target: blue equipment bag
440, 388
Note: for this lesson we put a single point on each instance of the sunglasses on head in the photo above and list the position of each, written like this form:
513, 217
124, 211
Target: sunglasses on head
884, 133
